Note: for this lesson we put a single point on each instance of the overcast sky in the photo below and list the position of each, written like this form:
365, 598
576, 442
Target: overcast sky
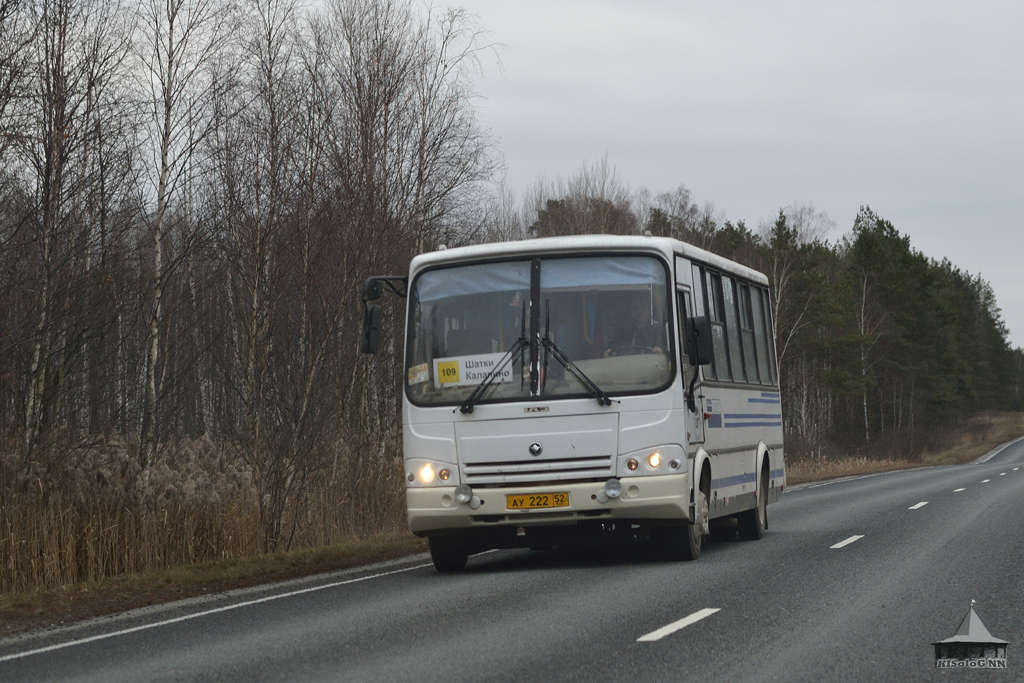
913, 108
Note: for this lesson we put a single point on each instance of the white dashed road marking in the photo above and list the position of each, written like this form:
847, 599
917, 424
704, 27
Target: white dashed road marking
847, 542
677, 625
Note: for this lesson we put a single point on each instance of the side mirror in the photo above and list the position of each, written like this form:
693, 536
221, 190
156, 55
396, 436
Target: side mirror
369, 342
698, 340
373, 289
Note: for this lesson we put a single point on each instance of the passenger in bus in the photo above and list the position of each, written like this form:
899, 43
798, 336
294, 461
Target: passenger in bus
636, 332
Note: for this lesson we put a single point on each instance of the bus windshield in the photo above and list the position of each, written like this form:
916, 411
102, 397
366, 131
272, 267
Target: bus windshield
607, 317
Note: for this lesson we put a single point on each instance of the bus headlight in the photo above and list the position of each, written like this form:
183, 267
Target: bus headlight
427, 473
653, 460
613, 488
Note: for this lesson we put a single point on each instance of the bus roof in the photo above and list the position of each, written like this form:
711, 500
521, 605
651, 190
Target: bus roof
665, 246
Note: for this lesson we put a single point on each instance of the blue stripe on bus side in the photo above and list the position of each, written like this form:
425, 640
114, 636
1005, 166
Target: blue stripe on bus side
751, 416
732, 481
743, 479
754, 424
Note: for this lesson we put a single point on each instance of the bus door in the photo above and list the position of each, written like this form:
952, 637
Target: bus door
694, 421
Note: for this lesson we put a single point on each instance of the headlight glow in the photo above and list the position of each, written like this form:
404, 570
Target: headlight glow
427, 473
654, 460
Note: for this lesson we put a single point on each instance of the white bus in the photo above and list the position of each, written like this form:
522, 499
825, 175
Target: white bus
567, 387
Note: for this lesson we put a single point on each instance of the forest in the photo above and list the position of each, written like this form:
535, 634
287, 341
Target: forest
193, 191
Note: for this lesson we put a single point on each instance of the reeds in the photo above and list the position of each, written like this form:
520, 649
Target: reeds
94, 513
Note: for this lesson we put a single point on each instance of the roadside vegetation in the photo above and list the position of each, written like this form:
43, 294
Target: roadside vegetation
191, 195
38, 608
981, 434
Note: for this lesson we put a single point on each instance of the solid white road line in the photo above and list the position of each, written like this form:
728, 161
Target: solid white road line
677, 625
958, 490
918, 506
998, 450
847, 542
187, 617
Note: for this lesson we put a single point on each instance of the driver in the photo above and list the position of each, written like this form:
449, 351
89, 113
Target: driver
636, 330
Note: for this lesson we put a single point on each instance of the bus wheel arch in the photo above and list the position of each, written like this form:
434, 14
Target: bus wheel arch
702, 484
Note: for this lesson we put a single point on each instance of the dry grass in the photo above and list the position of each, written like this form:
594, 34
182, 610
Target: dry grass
984, 433
806, 471
89, 531
980, 435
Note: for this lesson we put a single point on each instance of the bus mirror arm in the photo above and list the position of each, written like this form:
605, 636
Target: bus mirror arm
374, 287
691, 401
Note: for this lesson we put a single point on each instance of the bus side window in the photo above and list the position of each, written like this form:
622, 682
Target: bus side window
747, 334
700, 308
684, 312
732, 328
716, 310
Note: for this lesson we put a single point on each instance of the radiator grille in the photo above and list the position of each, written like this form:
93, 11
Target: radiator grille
532, 470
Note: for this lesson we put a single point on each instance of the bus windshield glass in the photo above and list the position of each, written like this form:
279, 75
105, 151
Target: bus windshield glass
600, 321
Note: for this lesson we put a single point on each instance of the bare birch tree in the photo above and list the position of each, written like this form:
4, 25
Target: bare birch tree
77, 49
178, 42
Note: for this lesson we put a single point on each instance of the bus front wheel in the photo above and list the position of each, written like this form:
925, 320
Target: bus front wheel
684, 541
448, 553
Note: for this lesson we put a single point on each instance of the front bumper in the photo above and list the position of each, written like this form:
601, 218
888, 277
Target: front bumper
664, 497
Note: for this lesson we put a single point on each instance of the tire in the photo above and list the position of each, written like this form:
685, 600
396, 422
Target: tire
754, 522
684, 541
449, 554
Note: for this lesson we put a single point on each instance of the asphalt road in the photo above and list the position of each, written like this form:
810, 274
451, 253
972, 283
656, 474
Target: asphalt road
789, 607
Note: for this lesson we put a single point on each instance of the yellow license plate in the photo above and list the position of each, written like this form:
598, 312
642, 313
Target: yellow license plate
534, 501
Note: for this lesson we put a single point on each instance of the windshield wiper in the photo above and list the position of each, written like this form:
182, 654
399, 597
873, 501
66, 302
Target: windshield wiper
520, 346
552, 349
467, 405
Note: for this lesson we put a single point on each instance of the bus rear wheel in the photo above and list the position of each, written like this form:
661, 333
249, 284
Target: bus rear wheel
448, 553
754, 522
